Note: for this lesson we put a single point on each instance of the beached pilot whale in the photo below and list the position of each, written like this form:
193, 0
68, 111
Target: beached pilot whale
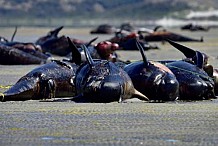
57, 45
153, 79
16, 56
51, 80
196, 83
102, 81
162, 35
194, 27
20, 53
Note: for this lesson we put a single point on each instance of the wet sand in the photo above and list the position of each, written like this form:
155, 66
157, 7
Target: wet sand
131, 123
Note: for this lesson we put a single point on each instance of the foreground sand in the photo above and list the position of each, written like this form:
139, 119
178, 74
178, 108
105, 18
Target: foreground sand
67, 123
132, 123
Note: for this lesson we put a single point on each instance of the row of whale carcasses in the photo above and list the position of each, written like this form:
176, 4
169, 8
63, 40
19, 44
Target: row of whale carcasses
41, 51
184, 80
147, 80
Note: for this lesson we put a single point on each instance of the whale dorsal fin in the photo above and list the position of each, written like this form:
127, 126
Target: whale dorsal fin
142, 53
91, 41
199, 60
15, 31
188, 52
88, 56
55, 31
76, 56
